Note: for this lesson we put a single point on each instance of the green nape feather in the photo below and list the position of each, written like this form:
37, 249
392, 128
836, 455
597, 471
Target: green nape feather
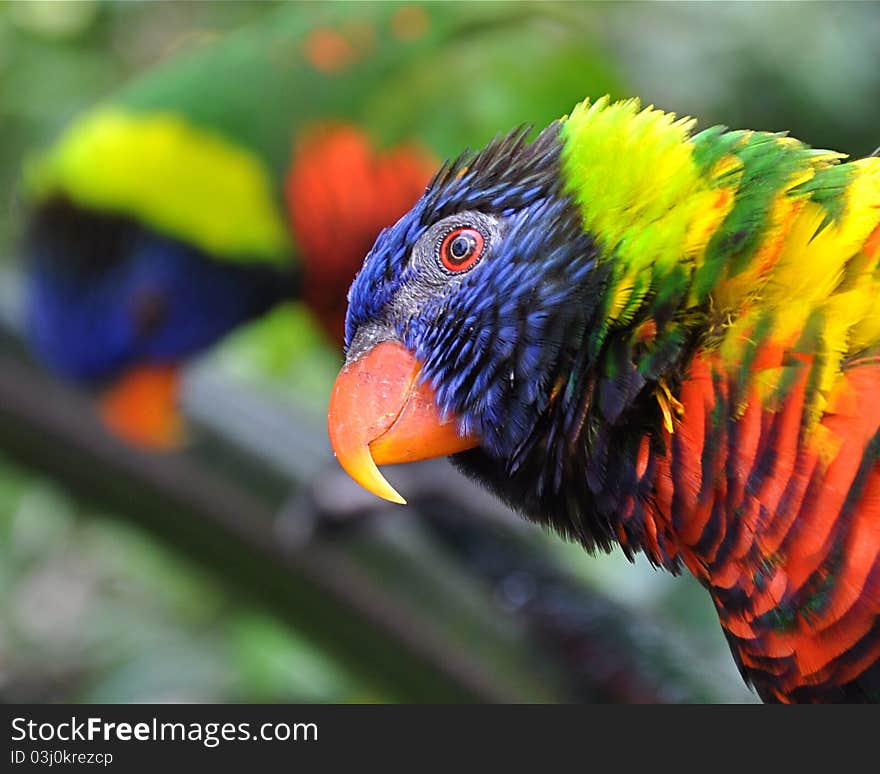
682, 217
725, 235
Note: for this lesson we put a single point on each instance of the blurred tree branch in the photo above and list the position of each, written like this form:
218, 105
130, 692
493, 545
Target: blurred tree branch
52, 430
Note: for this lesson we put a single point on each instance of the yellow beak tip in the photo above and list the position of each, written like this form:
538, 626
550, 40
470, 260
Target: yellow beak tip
361, 467
396, 498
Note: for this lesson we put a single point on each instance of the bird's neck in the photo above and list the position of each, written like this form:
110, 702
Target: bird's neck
686, 229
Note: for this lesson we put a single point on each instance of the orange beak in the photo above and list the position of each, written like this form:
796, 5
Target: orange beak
381, 414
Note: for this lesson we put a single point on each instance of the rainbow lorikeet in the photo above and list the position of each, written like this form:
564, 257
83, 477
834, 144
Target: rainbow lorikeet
662, 340
256, 168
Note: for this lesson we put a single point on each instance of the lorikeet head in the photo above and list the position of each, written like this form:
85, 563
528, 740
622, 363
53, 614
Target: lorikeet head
464, 320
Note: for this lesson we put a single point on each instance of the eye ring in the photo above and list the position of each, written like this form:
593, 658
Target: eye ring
461, 248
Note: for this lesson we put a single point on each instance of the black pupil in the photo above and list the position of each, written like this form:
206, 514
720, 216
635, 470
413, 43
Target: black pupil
462, 247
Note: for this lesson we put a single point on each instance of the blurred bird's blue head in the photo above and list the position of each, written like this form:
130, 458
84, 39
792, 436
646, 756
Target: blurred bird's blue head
103, 297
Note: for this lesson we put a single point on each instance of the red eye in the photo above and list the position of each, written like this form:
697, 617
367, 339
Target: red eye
461, 249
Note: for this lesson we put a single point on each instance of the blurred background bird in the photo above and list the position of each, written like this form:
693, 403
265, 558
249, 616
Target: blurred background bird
650, 338
245, 172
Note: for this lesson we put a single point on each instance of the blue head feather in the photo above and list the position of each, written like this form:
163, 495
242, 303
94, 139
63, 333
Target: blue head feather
491, 341
516, 347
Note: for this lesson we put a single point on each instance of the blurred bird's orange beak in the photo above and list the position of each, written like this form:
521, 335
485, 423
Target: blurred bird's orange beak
141, 408
380, 414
